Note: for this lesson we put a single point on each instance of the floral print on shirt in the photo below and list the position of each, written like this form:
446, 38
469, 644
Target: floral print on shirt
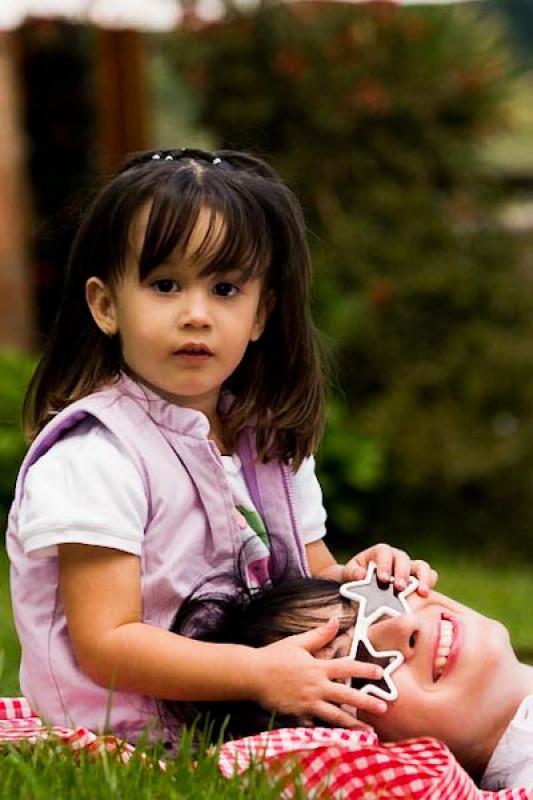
255, 548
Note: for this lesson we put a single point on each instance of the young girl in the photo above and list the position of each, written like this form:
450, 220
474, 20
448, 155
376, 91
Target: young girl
175, 412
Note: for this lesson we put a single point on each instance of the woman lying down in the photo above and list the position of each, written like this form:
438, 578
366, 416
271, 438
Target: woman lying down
449, 672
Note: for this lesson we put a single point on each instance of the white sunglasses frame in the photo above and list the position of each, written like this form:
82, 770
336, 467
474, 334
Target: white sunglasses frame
354, 591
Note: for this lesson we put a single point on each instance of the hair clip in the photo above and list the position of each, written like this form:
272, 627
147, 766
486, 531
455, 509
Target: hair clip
217, 161
169, 158
156, 157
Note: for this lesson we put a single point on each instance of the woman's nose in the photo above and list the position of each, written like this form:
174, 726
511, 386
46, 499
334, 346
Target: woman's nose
395, 633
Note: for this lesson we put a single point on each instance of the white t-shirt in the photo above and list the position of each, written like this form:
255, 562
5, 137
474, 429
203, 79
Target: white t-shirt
511, 763
86, 489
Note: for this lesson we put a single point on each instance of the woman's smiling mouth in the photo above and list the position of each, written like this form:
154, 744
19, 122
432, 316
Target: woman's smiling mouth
447, 646
443, 647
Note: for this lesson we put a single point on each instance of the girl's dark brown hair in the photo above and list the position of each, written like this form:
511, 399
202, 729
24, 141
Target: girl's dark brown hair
279, 384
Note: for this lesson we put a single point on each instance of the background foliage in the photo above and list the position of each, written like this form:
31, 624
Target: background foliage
377, 115
15, 372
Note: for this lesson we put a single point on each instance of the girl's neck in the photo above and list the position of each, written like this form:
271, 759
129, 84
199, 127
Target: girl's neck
207, 406
216, 435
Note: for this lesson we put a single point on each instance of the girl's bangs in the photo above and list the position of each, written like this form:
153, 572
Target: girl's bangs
236, 235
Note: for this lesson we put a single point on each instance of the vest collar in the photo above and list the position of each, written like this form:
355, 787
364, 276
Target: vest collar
180, 419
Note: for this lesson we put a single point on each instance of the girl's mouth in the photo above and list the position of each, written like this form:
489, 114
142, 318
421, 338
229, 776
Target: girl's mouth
446, 647
193, 351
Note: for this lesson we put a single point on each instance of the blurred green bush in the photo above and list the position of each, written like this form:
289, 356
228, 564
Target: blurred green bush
15, 372
376, 115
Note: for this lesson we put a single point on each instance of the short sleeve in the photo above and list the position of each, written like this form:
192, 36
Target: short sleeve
309, 503
84, 490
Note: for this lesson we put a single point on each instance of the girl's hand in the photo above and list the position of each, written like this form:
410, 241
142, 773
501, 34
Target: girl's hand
290, 680
391, 562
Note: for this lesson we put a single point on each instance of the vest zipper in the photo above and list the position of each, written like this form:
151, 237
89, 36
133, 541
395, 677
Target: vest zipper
287, 481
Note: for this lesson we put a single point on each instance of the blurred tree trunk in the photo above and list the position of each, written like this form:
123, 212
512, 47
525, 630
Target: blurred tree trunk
121, 96
16, 285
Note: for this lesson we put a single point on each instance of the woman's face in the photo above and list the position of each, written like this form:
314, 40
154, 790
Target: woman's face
456, 677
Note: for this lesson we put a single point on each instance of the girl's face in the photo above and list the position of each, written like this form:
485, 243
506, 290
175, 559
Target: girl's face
181, 333
459, 678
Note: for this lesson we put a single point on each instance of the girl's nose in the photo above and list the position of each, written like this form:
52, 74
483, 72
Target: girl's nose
194, 311
395, 633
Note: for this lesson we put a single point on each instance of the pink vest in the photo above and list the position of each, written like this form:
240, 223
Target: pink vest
190, 536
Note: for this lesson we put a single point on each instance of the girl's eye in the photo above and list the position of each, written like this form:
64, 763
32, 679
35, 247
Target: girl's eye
225, 289
165, 286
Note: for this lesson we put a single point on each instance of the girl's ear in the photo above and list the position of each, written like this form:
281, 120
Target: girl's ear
101, 305
264, 310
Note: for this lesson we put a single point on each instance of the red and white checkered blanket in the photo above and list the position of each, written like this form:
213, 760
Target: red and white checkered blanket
331, 763
354, 765
18, 723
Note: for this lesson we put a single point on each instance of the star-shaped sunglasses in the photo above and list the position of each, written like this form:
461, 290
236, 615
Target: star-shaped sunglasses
376, 599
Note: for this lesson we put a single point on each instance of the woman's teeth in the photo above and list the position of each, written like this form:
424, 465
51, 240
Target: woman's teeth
444, 647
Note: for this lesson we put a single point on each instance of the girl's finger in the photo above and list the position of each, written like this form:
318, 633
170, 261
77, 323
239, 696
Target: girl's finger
363, 726
354, 570
344, 668
383, 556
316, 638
402, 569
343, 695
421, 570
336, 716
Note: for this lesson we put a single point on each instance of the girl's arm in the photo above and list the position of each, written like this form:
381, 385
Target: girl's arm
101, 593
321, 562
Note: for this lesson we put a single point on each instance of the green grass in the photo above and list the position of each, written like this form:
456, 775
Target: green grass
9, 646
41, 772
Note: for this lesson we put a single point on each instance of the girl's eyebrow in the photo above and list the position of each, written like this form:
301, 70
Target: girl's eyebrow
234, 272
166, 263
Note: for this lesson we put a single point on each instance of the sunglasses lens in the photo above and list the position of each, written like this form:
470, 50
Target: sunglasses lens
363, 654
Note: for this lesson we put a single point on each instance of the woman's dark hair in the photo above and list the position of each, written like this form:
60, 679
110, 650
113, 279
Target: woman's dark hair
253, 618
278, 386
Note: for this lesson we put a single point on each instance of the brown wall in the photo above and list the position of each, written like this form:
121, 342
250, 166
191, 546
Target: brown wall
121, 127
16, 291
121, 96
